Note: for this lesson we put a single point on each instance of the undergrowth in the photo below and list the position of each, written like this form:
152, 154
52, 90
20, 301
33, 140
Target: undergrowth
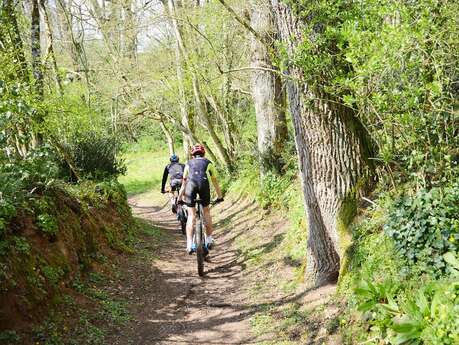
401, 283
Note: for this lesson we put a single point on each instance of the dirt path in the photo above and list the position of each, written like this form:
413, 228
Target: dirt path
169, 303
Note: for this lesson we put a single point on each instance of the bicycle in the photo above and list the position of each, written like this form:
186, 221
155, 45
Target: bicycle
199, 236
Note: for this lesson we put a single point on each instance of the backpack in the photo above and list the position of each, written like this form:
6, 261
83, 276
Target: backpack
175, 171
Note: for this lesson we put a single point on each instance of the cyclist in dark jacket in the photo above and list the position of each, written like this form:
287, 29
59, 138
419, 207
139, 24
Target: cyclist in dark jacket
198, 172
174, 170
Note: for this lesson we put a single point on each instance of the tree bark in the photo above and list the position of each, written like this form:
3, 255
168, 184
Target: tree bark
36, 48
9, 21
50, 48
333, 151
66, 32
130, 30
267, 89
207, 123
225, 121
186, 115
169, 138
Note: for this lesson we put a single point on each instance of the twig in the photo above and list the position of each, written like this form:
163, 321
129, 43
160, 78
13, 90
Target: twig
370, 201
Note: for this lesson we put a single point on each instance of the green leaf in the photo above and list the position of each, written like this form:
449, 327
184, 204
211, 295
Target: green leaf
367, 306
451, 258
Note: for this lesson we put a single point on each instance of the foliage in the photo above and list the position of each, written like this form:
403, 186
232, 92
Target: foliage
95, 155
396, 64
52, 274
47, 224
38, 169
21, 245
18, 111
426, 226
397, 300
7, 211
413, 315
9, 336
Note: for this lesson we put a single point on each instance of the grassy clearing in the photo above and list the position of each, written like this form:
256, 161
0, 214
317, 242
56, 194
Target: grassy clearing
144, 171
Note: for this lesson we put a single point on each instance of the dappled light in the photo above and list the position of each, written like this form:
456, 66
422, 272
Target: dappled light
273, 172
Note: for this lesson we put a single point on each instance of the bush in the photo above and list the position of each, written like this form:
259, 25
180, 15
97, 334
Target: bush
425, 227
95, 155
389, 301
47, 224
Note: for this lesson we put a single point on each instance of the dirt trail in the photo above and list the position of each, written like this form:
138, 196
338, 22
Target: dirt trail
170, 304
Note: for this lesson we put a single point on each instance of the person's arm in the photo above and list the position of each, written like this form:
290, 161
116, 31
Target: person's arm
163, 184
184, 181
213, 177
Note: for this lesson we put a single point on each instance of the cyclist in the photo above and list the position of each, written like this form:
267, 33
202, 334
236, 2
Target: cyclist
174, 170
198, 171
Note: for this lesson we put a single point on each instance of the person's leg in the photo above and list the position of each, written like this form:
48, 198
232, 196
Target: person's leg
190, 224
209, 226
172, 199
204, 193
189, 197
208, 221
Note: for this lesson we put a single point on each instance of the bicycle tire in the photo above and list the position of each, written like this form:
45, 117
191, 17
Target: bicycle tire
199, 243
183, 226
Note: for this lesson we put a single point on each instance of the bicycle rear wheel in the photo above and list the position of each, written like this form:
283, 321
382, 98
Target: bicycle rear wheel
199, 242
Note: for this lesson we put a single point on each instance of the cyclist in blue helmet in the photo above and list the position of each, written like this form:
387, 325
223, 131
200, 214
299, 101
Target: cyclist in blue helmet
173, 170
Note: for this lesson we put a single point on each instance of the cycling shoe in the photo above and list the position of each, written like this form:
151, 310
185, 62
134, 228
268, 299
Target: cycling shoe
191, 250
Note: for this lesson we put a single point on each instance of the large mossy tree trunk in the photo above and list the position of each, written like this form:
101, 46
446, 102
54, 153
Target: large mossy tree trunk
333, 151
267, 88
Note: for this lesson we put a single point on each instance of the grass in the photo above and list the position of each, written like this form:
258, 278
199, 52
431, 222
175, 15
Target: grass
144, 171
279, 260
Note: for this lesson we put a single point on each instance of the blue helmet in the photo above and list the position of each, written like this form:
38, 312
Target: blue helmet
174, 158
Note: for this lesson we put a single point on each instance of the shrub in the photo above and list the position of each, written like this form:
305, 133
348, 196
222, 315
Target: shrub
52, 274
7, 211
47, 224
95, 155
424, 314
426, 226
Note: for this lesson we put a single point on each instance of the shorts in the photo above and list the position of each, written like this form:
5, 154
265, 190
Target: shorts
175, 185
194, 189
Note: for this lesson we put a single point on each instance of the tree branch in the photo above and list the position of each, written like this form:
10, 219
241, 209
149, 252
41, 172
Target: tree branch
243, 22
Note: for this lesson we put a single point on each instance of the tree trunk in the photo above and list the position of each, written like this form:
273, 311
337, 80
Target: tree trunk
130, 30
36, 48
225, 122
207, 124
169, 138
78, 52
66, 32
333, 151
267, 89
189, 133
9, 20
50, 48
186, 115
